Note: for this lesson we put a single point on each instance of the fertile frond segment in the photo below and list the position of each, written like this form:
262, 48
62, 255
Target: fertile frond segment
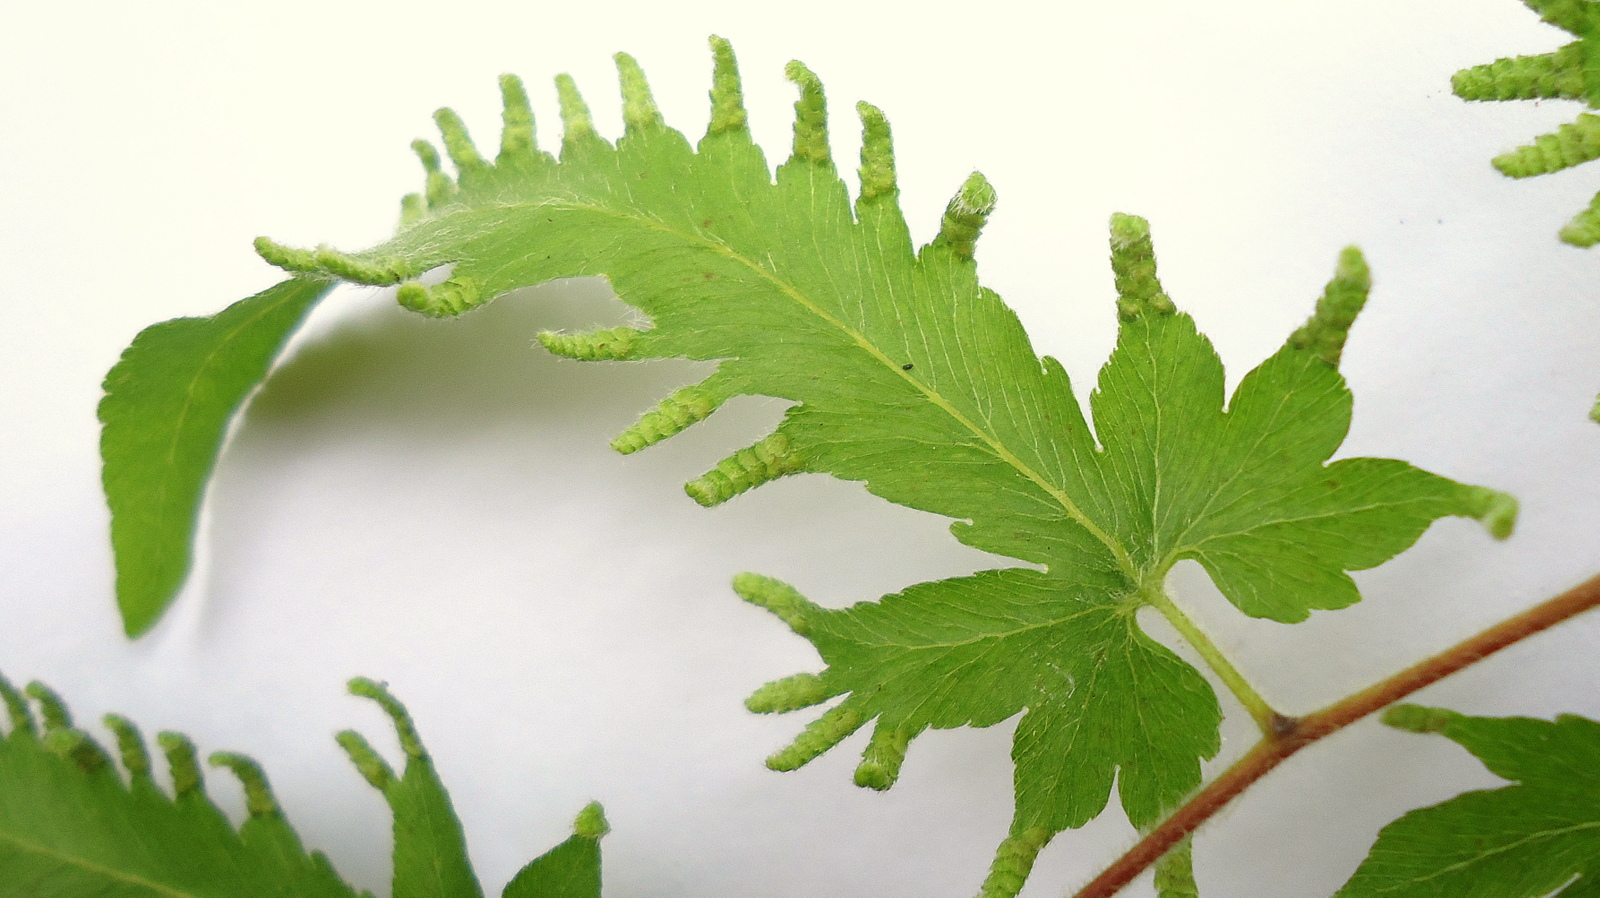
71, 826
1570, 73
166, 412
907, 375
1524, 840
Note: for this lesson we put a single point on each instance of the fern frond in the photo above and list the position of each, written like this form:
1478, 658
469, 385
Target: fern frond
909, 376
70, 825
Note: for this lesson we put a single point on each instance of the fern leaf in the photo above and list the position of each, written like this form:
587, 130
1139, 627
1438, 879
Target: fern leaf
1524, 840
71, 826
1570, 73
165, 414
909, 376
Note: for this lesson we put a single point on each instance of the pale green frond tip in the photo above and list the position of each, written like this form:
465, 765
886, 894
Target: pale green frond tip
1013, 861
1497, 512
1133, 265
258, 797
883, 757
727, 93
451, 298
181, 763
299, 261
410, 742
379, 272
1419, 719
639, 109
745, 470
788, 694
877, 153
1594, 413
965, 215
1558, 75
16, 709
130, 745
1584, 228
427, 154
576, 122
591, 822
412, 208
1325, 332
810, 116
457, 143
672, 415
52, 709
613, 344
822, 734
1571, 144
76, 746
516, 116
373, 768
777, 597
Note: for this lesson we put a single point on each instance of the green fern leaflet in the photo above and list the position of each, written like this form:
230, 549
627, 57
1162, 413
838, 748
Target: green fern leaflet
909, 376
1528, 839
1570, 73
71, 826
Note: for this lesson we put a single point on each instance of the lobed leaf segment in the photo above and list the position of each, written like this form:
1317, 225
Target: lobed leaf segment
71, 825
909, 376
1538, 836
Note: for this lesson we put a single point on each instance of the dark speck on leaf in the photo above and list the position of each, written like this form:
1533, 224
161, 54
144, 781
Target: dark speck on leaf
906, 367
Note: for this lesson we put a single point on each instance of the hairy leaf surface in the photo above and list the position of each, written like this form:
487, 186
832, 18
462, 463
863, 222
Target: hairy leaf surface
1521, 841
909, 376
71, 826
165, 414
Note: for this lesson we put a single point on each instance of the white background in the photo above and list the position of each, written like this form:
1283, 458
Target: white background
432, 503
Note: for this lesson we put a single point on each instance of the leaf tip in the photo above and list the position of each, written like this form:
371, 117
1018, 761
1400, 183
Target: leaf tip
458, 143
810, 117
1325, 332
16, 709
259, 800
181, 763
779, 598
727, 92
1133, 265
591, 822
821, 735
672, 415
576, 122
1013, 861
372, 767
455, 296
1497, 512
788, 694
517, 140
52, 710
130, 745
1419, 719
639, 110
410, 742
965, 216
772, 458
884, 755
78, 747
877, 154
612, 345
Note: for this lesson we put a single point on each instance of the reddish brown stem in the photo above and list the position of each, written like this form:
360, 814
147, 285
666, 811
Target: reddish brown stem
1290, 734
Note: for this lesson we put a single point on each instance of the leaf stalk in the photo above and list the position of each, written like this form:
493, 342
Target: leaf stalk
1265, 716
1290, 734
